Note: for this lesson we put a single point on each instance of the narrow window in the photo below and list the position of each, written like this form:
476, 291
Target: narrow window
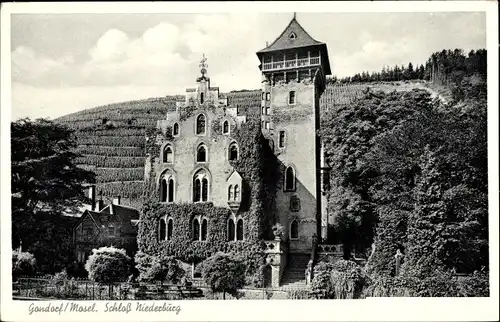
267, 125
196, 229
168, 155
264, 110
267, 110
236, 192
294, 229
225, 127
204, 189
202, 98
163, 192
239, 230
170, 190
204, 228
263, 95
233, 152
268, 96
111, 230
197, 190
170, 228
230, 230
289, 179
282, 139
201, 155
176, 129
200, 124
230, 193
291, 97
162, 229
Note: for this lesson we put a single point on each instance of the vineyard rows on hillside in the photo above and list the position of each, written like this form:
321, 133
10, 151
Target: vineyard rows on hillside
129, 189
126, 130
110, 162
118, 141
111, 151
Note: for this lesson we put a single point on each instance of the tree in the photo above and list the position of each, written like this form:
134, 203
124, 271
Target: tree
44, 176
224, 274
108, 264
152, 268
23, 263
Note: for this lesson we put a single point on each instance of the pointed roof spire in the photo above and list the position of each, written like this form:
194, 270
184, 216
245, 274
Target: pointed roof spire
295, 15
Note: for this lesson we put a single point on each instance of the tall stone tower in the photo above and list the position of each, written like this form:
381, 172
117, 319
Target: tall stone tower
293, 68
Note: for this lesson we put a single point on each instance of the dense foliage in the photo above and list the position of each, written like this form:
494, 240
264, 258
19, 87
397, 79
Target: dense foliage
108, 264
153, 268
338, 280
225, 274
23, 264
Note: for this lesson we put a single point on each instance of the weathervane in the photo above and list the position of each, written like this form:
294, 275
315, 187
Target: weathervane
203, 65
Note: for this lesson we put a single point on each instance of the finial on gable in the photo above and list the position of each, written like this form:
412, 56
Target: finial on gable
295, 16
203, 65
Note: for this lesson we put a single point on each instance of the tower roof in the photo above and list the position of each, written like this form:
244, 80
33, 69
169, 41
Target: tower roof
294, 36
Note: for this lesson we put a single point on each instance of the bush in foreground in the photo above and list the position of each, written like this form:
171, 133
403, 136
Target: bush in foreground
342, 279
224, 274
152, 268
23, 263
108, 264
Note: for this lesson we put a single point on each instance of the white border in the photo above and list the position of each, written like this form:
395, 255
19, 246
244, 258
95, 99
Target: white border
394, 309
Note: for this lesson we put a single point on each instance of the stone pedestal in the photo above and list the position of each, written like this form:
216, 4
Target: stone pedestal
276, 253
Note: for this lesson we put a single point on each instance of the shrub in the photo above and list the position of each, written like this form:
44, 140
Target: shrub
152, 268
108, 264
23, 263
298, 295
224, 274
340, 280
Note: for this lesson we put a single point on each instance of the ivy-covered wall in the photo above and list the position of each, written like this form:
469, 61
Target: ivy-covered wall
258, 168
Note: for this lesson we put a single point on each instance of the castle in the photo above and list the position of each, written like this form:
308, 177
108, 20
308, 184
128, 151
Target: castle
195, 151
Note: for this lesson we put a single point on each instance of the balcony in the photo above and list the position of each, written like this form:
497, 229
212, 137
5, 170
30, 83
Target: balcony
290, 64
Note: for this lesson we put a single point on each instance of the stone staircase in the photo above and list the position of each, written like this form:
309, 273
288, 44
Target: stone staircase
294, 276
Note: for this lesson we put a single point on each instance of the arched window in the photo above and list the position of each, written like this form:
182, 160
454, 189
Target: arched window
176, 129
230, 229
233, 152
163, 191
204, 228
168, 154
200, 186
162, 230
236, 192
294, 229
201, 154
239, 230
170, 228
200, 124
170, 195
230, 193
289, 179
196, 229
225, 127
202, 98
282, 139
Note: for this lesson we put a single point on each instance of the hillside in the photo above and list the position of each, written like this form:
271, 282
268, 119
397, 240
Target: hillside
111, 137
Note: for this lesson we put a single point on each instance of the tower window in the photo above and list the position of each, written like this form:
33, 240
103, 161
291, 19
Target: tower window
225, 127
168, 154
263, 95
233, 152
268, 96
201, 154
289, 179
264, 110
202, 98
294, 229
282, 139
200, 124
291, 97
176, 129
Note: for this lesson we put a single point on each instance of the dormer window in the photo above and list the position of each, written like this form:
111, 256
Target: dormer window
293, 35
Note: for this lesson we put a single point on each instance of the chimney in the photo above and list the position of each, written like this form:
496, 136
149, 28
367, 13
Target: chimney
116, 201
91, 196
99, 205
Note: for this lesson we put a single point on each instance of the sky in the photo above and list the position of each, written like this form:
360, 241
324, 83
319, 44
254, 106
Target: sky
63, 63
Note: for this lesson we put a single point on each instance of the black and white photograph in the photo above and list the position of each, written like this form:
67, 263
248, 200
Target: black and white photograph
156, 157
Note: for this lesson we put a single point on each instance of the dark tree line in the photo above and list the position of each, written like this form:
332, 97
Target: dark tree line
444, 67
